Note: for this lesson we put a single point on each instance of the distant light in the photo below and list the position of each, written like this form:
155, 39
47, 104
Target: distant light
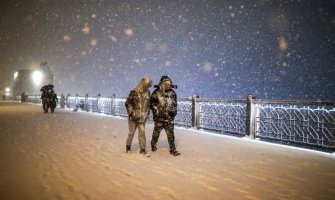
66, 38
94, 42
37, 77
15, 75
129, 32
7, 89
283, 44
86, 29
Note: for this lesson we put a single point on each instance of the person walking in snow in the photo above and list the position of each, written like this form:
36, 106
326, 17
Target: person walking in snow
163, 103
54, 98
44, 97
138, 110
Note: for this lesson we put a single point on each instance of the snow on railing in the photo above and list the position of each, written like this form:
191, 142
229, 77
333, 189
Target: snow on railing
311, 124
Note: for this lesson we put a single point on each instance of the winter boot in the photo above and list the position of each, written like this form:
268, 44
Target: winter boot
128, 148
153, 148
174, 152
142, 151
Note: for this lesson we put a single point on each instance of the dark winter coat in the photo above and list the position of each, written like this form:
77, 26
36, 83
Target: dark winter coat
163, 104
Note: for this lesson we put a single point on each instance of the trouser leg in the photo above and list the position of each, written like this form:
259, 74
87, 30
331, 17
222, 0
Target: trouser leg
141, 135
169, 129
44, 106
132, 128
155, 135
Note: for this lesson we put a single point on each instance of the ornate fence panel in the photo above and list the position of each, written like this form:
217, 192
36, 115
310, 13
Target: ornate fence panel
105, 105
119, 107
71, 102
81, 103
35, 99
223, 116
87, 104
184, 112
92, 103
310, 125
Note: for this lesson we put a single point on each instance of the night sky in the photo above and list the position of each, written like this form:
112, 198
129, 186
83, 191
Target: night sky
283, 49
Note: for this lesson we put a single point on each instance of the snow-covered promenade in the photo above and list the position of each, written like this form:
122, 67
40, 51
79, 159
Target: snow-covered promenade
71, 155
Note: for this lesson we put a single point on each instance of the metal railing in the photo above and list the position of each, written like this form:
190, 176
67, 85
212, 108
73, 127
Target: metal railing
311, 124
308, 123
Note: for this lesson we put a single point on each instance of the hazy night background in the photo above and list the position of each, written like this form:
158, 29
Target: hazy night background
281, 49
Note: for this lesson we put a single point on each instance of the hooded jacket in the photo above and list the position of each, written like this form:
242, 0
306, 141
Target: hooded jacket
163, 103
137, 103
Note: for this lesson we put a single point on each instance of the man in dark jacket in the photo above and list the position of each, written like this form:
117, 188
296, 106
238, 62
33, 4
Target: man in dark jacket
137, 105
54, 101
163, 103
44, 96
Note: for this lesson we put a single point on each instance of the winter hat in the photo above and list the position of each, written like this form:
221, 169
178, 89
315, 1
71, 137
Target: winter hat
166, 78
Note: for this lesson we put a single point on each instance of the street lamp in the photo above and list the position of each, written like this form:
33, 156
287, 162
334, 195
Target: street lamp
15, 75
7, 91
37, 77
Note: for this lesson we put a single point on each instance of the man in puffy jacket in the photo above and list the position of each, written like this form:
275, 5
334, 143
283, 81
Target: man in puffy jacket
137, 105
44, 97
163, 103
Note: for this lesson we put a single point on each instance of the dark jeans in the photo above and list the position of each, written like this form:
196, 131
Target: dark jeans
169, 129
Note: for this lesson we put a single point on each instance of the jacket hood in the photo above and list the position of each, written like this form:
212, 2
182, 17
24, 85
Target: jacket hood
143, 84
165, 78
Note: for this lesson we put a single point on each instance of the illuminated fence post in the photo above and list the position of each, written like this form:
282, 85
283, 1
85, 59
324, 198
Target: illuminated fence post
250, 118
86, 106
113, 105
77, 100
62, 101
98, 103
67, 101
195, 111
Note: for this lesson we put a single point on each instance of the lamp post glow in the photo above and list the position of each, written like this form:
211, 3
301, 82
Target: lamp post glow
37, 77
7, 91
15, 75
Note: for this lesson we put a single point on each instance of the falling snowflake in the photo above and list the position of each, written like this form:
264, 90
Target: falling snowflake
283, 44
86, 29
66, 38
207, 66
129, 32
94, 42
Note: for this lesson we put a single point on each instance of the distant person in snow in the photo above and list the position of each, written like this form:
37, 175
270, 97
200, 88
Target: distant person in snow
163, 103
23, 97
49, 98
44, 97
137, 105
54, 98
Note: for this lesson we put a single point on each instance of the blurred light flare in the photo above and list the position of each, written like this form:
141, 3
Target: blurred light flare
86, 29
94, 42
129, 32
37, 77
66, 38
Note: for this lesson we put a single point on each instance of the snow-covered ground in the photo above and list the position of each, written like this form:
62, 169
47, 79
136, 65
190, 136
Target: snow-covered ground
70, 155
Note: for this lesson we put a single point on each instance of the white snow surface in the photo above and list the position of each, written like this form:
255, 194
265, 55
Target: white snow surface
71, 155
